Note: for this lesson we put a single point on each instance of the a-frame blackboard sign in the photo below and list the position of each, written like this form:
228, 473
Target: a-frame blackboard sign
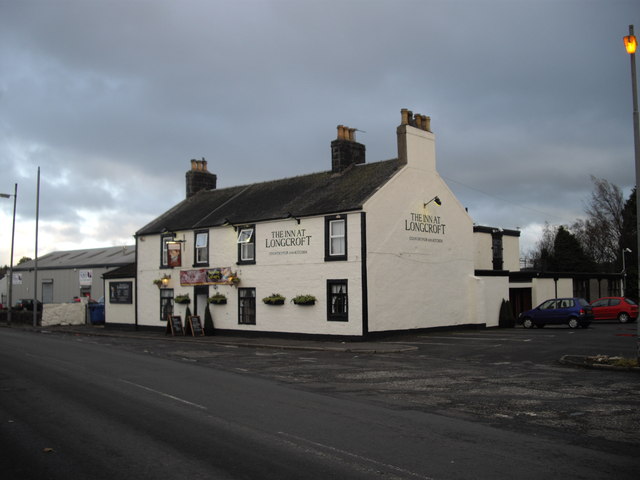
174, 325
194, 325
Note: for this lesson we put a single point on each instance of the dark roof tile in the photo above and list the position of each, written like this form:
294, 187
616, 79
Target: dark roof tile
305, 195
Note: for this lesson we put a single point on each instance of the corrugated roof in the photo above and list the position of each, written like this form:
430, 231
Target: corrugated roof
92, 257
314, 194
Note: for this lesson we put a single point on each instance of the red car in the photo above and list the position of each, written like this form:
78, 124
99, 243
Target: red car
615, 308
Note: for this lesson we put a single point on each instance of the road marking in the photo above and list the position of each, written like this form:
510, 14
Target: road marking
355, 455
167, 395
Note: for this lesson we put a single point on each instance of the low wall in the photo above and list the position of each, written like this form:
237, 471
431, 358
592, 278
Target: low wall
64, 314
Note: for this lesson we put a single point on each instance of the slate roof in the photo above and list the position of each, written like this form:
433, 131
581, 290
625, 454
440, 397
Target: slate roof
87, 258
306, 195
126, 271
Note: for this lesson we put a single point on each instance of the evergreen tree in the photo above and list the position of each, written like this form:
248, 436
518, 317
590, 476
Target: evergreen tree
568, 255
208, 321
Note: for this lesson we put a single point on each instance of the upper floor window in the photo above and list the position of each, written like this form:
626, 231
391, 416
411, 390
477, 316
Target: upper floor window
246, 245
165, 240
201, 253
335, 238
496, 247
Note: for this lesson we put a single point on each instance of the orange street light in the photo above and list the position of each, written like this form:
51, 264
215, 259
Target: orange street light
630, 44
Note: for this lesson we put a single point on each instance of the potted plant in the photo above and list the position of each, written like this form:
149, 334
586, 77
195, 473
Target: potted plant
274, 299
183, 299
234, 279
304, 300
218, 299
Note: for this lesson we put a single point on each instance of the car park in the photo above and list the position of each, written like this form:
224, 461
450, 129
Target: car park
615, 308
574, 312
27, 304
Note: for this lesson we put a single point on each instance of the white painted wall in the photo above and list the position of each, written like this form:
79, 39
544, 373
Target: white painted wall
289, 271
418, 279
484, 253
120, 313
544, 289
511, 253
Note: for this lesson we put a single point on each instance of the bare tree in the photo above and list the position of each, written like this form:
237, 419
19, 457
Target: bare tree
600, 232
540, 255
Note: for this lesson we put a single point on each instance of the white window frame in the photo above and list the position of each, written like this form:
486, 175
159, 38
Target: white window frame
341, 237
201, 248
247, 244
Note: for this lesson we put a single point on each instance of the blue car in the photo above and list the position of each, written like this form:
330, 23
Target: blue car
575, 312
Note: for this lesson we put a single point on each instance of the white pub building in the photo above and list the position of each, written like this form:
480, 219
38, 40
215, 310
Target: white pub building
382, 246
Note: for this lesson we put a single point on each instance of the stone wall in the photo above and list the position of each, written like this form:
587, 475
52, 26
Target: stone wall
64, 314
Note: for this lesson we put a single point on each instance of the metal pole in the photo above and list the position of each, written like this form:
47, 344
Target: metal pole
35, 272
624, 272
636, 145
13, 232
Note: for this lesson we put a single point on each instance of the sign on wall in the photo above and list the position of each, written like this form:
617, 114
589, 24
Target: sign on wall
17, 278
421, 224
291, 241
174, 254
207, 276
120, 292
86, 277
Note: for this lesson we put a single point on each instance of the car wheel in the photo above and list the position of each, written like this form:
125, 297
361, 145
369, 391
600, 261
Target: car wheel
573, 322
527, 323
623, 317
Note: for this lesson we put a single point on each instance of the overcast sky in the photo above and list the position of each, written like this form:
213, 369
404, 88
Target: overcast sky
528, 98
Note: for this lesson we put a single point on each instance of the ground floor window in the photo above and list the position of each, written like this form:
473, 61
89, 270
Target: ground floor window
166, 304
247, 306
337, 301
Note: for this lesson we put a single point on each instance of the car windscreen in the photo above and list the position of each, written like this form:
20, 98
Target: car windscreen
582, 302
629, 301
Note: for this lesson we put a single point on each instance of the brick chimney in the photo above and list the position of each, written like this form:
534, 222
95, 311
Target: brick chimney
416, 141
345, 151
199, 178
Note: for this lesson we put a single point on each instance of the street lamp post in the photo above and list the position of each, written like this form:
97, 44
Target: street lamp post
624, 270
631, 43
13, 231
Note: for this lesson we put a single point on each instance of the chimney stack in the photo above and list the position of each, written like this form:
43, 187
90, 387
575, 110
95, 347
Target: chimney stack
199, 178
345, 151
416, 142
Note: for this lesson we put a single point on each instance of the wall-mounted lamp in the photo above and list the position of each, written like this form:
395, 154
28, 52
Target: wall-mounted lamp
165, 280
435, 200
291, 215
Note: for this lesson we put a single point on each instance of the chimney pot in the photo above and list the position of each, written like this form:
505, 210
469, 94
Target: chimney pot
404, 113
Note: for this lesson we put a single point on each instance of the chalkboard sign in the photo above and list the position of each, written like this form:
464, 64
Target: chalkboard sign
195, 326
174, 325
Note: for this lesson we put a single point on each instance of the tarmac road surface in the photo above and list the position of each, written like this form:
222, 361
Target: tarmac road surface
73, 408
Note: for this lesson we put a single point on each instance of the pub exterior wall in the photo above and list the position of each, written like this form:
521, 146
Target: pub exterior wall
289, 271
419, 258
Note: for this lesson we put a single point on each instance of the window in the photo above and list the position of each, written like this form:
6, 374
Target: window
164, 249
337, 301
247, 306
201, 253
166, 304
496, 247
246, 245
335, 229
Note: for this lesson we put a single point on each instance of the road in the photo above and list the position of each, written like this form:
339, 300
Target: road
72, 408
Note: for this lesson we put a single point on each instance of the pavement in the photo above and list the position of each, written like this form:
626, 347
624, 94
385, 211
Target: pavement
283, 342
